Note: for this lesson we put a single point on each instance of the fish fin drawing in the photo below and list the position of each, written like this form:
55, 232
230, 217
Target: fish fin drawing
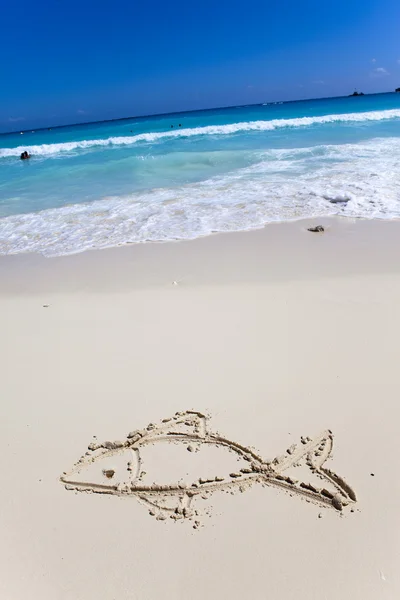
176, 506
191, 424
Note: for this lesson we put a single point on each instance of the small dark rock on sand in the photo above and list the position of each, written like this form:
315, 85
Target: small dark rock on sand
109, 473
317, 229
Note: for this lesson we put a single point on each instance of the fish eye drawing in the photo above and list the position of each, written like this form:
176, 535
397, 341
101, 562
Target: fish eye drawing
95, 471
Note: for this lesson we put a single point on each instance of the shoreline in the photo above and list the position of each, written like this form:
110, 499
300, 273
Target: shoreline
130, 266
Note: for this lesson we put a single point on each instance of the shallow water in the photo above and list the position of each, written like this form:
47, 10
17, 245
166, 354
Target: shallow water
136, 180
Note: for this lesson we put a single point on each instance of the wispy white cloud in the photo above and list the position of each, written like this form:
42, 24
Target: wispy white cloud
15, 119
373, 60
379, 72
319, 82
398, 60
80, 111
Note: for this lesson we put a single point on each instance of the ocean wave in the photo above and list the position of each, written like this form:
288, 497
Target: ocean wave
354, 180
51, 149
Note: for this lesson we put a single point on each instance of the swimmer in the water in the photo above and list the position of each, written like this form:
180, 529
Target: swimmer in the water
24, 155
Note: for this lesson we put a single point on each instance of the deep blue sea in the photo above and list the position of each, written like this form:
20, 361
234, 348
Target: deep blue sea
182, 176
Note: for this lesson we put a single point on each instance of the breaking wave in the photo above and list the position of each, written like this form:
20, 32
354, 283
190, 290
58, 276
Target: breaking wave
355, 180
51, 149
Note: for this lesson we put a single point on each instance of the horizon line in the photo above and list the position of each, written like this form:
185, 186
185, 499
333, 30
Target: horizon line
19, 131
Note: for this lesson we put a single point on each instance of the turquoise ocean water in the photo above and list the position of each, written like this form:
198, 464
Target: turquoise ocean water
137, 180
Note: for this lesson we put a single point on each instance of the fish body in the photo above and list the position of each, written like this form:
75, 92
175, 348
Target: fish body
191, 429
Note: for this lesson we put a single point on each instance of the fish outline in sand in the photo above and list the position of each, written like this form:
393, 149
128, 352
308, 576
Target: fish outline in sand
191, 427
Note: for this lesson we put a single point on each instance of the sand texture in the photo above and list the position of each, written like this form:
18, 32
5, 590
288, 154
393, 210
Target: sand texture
206, 419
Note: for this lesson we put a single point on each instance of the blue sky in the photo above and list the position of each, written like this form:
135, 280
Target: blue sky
76, 61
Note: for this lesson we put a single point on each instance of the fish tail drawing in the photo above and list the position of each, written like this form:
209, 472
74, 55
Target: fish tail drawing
315, 452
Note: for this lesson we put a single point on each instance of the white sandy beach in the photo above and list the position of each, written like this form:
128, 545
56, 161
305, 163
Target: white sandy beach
275, 334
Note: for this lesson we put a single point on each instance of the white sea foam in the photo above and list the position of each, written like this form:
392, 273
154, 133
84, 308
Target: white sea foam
49, 149
356, 180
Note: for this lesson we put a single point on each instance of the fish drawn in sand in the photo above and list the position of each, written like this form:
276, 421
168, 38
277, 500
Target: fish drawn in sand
93, 473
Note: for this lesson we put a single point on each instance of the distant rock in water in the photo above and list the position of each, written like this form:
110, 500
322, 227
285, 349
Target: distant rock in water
355, 93
397, 90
